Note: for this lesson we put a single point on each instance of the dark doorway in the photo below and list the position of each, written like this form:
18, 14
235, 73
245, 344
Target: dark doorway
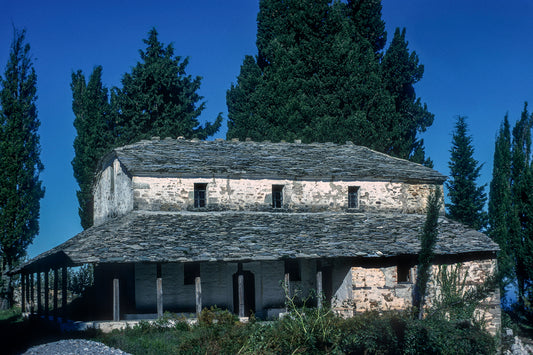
249, 291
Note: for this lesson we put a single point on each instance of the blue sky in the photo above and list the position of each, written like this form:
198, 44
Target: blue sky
477, 57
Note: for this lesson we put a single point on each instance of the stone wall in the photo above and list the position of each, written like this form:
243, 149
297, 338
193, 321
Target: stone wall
112, 193
174, 194
377, 288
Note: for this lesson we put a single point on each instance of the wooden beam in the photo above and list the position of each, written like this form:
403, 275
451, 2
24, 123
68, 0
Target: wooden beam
64, 292
287, 285
159, 283
46, 293
32, 294
198, 293
39, 308
23, 293
27, 292
56, 286
240, 281
116, 300
319, 291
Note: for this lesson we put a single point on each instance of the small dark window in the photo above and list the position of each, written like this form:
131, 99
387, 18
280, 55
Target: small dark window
112, 178
190, 272
200, 195
353, 196
292, 267
277, 196
404, 274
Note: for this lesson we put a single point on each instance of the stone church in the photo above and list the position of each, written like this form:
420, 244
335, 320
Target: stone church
180, 225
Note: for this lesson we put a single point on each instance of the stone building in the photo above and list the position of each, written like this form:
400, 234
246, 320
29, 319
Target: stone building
184, 224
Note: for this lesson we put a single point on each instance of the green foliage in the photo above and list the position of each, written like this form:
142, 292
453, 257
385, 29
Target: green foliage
467, 200
318, 76
500, 212
81, 279
158, 98
20, 164
215, 315
427, 244
94, 126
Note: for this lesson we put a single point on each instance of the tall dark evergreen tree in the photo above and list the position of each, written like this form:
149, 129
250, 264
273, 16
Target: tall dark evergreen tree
428, 239
520, 228
401, 71
20, 164
317, 77
466, 198
500, 203
94, 126
158, 98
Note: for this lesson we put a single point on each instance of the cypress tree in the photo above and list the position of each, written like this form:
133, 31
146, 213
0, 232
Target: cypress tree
500, 203
158, 98
428, 239
466, 198
20, 164
522, 216
94, 126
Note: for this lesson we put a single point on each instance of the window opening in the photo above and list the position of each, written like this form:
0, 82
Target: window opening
292, 267
190, 272
403, 273
200, 195
277, 196
353, 194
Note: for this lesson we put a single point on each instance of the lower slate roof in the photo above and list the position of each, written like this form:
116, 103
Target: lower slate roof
142, 236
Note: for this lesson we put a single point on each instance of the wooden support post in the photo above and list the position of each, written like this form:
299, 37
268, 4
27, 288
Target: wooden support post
64, 293
39, 308
27, 292
23, 293
288, 285
32, 304
319, 292
159, 297
240, 281
56, 282
116, 300
46, 293
198, 292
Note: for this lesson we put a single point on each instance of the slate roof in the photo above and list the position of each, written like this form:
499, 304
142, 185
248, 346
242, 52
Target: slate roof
142, 236
319, 161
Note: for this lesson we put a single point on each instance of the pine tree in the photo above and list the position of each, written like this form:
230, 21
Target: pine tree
466, 198
20, 164
158, 98
401, 71
317, 78
500, 203
94, 126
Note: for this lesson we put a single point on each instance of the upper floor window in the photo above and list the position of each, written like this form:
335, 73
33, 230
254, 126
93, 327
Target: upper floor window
190, 272
353, 196
200, 195
277, 196
403, 272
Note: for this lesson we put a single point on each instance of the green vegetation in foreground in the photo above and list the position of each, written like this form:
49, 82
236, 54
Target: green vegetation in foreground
308, 331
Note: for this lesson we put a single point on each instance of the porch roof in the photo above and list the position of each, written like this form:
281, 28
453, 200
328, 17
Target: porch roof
142, 236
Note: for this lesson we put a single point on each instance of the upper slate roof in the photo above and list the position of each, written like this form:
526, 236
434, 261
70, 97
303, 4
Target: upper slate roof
232, 236
320, 161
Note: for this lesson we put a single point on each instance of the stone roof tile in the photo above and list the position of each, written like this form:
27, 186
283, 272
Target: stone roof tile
221, 158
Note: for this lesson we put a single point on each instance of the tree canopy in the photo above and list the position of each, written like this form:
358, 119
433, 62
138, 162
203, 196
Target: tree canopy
157, 98
321, 75
20, 187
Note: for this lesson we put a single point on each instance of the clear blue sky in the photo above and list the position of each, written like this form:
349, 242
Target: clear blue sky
477, 55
